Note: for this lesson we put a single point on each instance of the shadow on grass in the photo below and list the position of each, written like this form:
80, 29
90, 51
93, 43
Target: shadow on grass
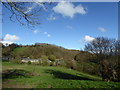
15, 73
63, 75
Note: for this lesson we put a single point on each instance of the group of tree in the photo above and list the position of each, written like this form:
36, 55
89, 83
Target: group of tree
106, 54
6, 50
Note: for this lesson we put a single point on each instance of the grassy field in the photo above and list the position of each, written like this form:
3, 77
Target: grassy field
49, 77
20, 49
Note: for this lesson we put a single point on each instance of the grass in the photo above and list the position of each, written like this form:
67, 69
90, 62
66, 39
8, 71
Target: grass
20, 49
51, 77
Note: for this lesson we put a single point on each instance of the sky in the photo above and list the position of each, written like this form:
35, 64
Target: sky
68, 24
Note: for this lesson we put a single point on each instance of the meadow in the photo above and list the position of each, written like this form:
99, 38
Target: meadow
35, 76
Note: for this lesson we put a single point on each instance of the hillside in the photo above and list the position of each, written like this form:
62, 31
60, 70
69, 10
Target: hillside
50, 77
47, 51
37, 50
40, 51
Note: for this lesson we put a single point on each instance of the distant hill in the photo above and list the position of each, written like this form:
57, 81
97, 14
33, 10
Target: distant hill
38, 50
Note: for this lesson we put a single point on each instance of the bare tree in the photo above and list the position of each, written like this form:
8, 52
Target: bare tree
106, 51
26, 13
117, 52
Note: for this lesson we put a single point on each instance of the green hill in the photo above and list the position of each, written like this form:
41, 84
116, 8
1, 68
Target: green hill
37, 51
49, 77
47, 51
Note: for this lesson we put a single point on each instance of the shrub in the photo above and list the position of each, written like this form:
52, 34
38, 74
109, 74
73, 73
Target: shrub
44, 57
52, 58
29, 62
45, 62
15, 61
69, 64
51, 63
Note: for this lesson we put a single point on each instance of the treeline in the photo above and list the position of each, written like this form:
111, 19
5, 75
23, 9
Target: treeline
100, 57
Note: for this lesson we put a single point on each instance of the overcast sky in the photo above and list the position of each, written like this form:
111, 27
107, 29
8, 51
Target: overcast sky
66, 24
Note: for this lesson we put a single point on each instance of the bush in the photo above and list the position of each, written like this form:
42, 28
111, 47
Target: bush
69, 64
52, 58
51, 63
44, 57
45, 63
15, 61
29, 62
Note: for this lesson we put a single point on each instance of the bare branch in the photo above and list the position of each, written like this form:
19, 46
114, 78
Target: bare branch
18, 10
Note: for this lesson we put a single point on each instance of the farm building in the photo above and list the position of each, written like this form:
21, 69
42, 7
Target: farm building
5, 58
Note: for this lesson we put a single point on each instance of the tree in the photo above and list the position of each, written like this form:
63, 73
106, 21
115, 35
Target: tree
12, 46
52, 58
25, 12
105, 49
80, 60
6, 50
117, 53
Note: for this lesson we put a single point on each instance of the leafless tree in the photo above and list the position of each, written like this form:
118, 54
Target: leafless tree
106, 51
26, 13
